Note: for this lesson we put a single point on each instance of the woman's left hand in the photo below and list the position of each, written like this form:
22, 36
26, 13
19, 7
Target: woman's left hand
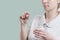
44, 34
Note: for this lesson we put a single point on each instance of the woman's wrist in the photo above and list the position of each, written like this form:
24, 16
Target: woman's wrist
23, 26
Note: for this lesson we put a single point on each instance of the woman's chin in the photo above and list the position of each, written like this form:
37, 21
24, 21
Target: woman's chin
47, 9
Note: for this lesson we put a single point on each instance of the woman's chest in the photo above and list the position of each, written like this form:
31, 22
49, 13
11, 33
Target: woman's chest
54, 29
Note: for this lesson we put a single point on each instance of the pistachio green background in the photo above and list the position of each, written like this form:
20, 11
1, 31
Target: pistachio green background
10, 10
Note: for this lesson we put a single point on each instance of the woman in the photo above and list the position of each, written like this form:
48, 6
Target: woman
52, 18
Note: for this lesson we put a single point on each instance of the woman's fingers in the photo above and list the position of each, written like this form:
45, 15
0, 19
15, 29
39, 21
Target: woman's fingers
22, 17
42, 33
25, 16
39, 33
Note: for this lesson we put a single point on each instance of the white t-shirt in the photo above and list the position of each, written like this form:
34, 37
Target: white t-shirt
53, 29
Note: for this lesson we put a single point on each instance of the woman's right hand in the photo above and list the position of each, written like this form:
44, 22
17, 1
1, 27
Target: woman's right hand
24, 18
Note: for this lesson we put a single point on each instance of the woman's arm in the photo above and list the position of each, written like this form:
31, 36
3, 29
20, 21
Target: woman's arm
24, 32
24, 29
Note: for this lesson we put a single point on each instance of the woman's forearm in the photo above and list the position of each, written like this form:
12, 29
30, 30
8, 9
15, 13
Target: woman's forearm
24, 32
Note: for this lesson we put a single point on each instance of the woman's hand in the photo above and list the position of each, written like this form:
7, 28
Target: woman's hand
24, 18
24, 29
44, 34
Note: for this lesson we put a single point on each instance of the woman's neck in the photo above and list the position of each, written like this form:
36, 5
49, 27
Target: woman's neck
49, 15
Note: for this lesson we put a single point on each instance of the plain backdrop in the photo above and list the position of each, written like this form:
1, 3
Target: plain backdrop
10, 10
